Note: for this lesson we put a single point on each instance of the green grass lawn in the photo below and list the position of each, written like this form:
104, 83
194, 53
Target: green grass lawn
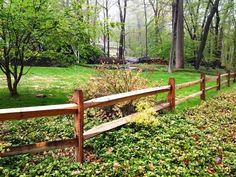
58, 84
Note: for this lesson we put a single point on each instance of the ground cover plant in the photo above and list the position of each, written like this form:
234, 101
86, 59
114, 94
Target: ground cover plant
198, 141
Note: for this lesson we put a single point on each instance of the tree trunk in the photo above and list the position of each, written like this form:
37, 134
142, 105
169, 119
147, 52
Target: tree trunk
217, 52
154, 5
107, 29
139, 27
146, 27
104, 30
122, 32
180, 36
173, 46
121, 43
11, 87
205, 34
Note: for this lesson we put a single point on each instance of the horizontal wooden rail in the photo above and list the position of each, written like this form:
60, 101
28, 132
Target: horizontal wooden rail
179, 101
232, 75
224, 75
188, 84
117, 123
108, 126
39, 147
39, 111
46, 146
211, 78
114, 99
212, 87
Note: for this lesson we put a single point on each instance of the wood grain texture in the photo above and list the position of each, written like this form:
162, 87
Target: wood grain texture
171, 94
218, 82
179, 101
39, 111
114, 99
203, 87
211, 78
188, 84
79, 125
228, 79
117, 123
212, 87
39, 147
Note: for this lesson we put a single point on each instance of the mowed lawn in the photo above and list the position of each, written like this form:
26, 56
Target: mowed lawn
58, 84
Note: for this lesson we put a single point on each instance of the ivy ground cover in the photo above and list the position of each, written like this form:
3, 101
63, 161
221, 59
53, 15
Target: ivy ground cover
199, 141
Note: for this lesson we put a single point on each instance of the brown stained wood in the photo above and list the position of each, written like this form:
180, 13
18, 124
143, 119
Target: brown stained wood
224, 75
79, 125
228, 79
211, 78
232, 74
39, 147
188, 84
117, 123
212, 87
171, 94
179, 101
203, 87
108, 126
114, 99
46, 146
39, 111
218, 82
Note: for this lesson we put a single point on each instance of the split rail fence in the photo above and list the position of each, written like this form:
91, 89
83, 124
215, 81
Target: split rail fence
77, 108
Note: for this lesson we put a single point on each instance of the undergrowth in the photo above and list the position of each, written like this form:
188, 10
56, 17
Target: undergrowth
199, 141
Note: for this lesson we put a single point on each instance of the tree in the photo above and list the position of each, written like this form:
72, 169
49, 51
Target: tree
172, 51
75, 29
180, 35
106, 27
146, 27
22, 25
122, 27
228, 30
204, 35
160, 9
177, 48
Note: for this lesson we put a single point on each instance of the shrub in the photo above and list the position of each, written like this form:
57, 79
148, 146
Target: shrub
147, 115
108, 82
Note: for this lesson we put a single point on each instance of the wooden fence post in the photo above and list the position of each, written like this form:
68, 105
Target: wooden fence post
203, 86
234, 77
79, 125
218, 82
171, 94
229, 77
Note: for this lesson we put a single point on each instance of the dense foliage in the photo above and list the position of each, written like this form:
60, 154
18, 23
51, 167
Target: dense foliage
197, 142
108, 82
43, 29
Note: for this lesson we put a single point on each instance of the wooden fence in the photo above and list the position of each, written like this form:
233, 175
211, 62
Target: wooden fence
77, 109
